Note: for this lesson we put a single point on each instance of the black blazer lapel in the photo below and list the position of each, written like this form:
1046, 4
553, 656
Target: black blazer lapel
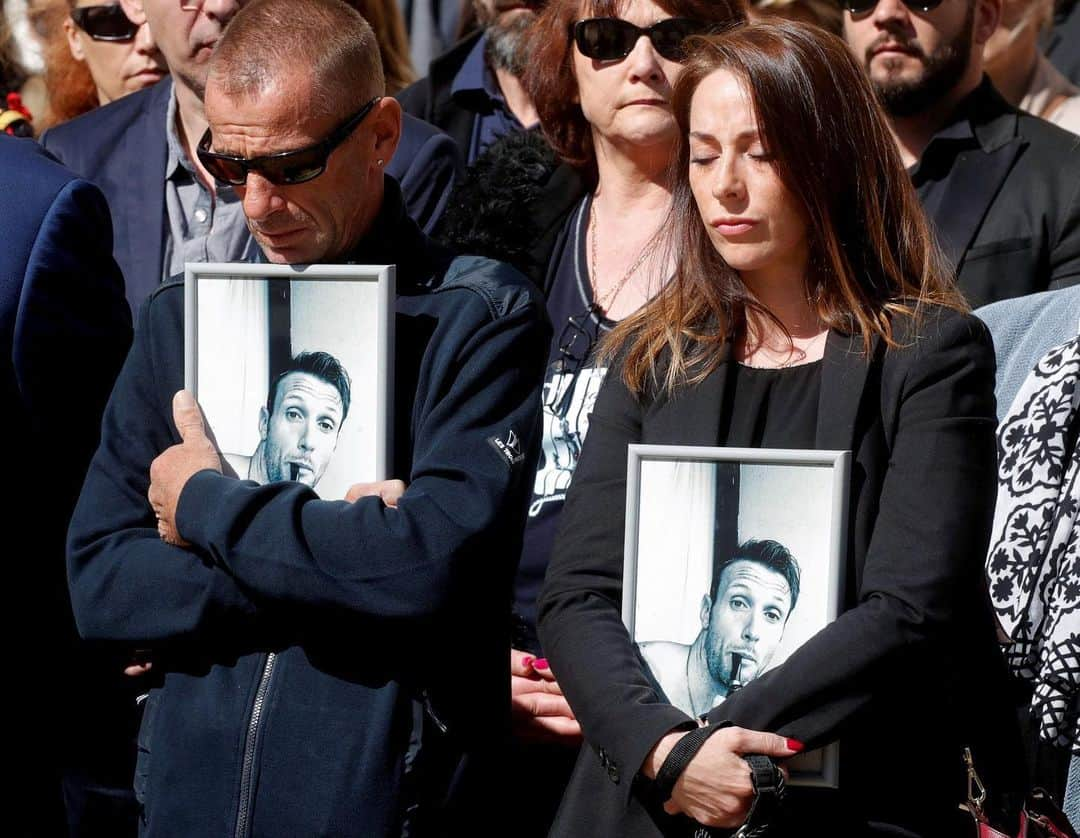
843, 380
973, 183
692, 415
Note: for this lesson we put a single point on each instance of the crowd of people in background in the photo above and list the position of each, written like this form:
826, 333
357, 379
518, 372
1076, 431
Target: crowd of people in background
799, 224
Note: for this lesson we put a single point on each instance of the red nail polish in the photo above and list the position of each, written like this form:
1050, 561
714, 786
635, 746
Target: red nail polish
540, 663
527, 660
795, 745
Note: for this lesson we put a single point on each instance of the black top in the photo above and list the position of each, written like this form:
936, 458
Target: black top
916, 630
1002, 191
771, 408
571, 384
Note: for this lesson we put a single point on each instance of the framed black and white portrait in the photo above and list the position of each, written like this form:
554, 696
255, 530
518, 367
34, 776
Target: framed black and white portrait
293, 369
734, 559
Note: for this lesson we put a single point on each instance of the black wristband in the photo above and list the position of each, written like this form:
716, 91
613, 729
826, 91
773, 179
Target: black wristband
768, 783
684, 751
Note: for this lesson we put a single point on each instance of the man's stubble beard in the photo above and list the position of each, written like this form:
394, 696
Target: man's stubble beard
506, 42
941, 73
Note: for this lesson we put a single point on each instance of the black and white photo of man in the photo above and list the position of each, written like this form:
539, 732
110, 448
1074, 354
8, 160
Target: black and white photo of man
301, 421
743, 617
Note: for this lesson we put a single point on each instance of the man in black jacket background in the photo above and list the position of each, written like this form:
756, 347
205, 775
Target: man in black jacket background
290, 634
1001, 187
474, 91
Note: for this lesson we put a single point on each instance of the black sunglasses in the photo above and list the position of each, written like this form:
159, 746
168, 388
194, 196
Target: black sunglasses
860, 7
612, 39
286, 168
104, 23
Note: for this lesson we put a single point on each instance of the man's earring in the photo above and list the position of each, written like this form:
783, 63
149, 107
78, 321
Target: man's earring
379, 162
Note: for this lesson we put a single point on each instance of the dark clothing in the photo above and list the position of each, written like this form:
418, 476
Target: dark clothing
122, 147
571, 383
314, 622
1002, 189
897, 667
512, 205
771, 408
64, 328
1063, 46
460, 96
475, 88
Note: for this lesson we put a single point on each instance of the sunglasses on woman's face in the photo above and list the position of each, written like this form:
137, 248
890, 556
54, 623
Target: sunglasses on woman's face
287, 168
612, 39
104, 23
861, 7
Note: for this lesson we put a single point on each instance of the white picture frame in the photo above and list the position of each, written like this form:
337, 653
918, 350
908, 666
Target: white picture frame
690, 512
247, 327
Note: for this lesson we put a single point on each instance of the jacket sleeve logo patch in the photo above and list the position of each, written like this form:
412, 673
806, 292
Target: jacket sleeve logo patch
509, 448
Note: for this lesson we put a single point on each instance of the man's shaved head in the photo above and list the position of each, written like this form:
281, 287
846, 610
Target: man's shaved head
323, 40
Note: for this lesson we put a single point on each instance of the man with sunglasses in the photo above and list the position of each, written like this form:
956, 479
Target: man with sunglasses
474, 92
290, 634
1001, 187
141, 151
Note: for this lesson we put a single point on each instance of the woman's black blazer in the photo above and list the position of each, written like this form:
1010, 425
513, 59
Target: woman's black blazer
908, 675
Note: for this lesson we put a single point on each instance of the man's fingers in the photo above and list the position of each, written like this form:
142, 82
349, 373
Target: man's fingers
759, 742
387, 490
187, 417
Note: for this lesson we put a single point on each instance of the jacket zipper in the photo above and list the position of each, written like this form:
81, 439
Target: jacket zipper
247, 768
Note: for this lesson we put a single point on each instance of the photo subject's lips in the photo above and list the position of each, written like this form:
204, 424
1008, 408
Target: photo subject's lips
301, 471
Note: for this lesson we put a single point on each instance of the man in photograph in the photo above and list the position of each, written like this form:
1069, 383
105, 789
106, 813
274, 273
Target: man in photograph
300, 423
290, 636
754, 591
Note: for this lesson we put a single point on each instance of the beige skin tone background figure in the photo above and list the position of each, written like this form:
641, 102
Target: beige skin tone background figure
896, 44
117, 67
186, 32
512, 17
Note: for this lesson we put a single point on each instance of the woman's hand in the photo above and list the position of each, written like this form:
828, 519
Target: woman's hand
715, 788
538, 710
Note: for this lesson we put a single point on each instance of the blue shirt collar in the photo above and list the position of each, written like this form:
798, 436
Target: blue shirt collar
475, 81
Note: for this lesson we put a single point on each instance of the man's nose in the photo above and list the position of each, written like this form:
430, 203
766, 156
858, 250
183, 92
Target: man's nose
750, 628
260, 198
888, 12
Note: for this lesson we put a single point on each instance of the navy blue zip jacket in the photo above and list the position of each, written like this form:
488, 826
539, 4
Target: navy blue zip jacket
295, 631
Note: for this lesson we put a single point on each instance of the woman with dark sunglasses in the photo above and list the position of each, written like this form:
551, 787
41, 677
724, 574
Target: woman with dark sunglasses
93, 55
809, 309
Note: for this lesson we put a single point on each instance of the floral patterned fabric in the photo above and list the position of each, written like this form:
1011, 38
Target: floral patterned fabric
1034, 559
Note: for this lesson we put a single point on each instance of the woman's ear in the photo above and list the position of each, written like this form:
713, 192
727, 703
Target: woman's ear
74, 42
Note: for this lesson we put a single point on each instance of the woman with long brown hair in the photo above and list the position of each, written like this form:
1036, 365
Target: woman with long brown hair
809, 309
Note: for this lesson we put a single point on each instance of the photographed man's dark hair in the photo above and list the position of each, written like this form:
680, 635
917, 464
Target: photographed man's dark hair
322, 365
771, 554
